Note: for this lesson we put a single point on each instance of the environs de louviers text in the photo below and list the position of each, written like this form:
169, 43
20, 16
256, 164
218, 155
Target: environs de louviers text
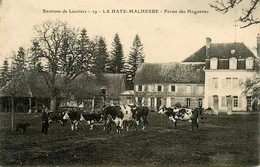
126, 11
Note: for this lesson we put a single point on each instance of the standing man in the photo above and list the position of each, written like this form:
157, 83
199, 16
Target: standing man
45, 121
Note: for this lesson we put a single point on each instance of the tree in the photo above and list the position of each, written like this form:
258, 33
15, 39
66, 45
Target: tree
16, 80
136, 57
61, 54
249, 16
101, 56
5, 74
116, 58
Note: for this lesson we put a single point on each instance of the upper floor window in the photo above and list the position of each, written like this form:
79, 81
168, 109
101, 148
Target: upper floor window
140, 88
235, 83
213, 63
159, 88
172, 88
228, 83
215, 83
233, 63
249, 63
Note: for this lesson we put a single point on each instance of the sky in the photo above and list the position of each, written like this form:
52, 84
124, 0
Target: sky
166, 36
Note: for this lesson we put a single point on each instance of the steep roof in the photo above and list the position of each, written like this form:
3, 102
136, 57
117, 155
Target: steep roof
115, 85
221, 51
170, 73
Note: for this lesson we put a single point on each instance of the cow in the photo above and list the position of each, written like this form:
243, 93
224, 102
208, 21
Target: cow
57, 117
118, 115
74, 117
183, 114
140, 114
127, 116
92, 118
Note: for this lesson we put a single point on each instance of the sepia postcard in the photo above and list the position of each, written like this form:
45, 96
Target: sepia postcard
129, 83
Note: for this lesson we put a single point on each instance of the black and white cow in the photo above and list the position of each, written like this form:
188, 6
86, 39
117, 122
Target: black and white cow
183, 114
91, 119
118, 115
74, 117
57, 117
140, 114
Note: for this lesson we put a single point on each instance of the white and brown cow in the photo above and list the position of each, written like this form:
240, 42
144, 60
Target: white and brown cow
74, 118
183, 114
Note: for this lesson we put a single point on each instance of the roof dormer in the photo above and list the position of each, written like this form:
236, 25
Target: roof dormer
213, 63
249, 63
233, 63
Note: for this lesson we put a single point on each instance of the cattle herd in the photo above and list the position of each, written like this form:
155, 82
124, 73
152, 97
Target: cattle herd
124, 116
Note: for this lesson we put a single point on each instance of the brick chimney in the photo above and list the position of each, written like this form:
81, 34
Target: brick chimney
258, 45
208, 44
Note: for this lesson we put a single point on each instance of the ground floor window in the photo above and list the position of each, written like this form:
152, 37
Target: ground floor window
159, 102
235, 101
249, 102
139, 100
188, 102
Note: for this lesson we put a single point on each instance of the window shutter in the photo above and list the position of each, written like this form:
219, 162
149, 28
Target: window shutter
149, 88
136, 88
162, 87
240, 102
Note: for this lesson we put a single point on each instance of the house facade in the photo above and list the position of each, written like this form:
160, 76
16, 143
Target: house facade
169, 84
227, 67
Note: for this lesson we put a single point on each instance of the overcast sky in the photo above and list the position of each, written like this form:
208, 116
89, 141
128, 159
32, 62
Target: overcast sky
167, 37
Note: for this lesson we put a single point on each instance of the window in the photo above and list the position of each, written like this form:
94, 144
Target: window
152, 101
235, 83
233, 63
223, 101
159, 102
188, 89
140, 88
235, 101
159, 88
200, 89
215, 83
213, 63
228, 83
173, 89
200, 103
249, 63
188, 102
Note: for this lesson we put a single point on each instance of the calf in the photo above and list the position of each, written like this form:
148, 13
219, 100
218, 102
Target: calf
74, 118
91, 119
183, 114
140, 114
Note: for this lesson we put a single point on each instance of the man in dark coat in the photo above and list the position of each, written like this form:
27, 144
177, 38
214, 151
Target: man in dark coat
45, 121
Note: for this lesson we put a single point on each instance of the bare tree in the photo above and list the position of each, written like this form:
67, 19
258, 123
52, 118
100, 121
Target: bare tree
249, 16
61, 55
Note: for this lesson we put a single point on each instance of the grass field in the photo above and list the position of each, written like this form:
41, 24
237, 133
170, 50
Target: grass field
220, 140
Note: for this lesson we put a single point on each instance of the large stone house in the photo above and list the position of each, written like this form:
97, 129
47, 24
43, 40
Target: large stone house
167, 84
227, 67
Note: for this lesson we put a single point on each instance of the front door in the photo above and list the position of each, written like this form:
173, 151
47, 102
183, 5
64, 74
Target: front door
215, 103
159, 103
